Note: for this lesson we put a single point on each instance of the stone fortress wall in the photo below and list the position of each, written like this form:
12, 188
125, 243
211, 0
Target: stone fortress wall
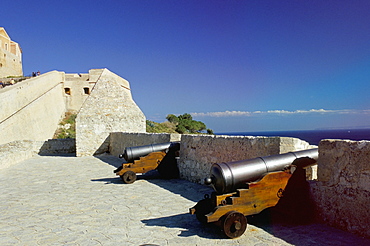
10, 56
109, 108
33, 108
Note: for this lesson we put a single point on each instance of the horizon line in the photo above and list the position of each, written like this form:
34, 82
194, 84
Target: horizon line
234, 113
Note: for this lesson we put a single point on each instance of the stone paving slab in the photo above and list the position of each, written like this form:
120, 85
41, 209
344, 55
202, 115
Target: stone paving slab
79, 201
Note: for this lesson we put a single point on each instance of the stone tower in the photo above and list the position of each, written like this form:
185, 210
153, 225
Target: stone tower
109, 108
10, 56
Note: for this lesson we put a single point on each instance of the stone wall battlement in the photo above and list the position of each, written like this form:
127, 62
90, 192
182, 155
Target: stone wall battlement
342, 191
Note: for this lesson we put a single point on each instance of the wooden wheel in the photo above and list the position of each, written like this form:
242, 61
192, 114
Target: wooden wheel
129, 177
234, 224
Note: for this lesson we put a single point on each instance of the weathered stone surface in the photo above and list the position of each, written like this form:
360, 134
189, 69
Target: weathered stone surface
342, 192
58, 146
109, 108
32, 109
20, 150
16, 151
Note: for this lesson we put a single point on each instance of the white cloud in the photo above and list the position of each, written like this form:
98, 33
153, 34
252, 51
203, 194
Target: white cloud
279, 112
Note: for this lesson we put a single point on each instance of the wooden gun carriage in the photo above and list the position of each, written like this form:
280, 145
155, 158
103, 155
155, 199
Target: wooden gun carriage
142, 159
247, 187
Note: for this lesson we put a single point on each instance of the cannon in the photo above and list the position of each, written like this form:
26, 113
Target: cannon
142, 159
248, 187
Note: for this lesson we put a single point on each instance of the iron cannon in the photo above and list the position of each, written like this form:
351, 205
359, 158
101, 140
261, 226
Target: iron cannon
142, 159
134, 153
227, 177
248, 187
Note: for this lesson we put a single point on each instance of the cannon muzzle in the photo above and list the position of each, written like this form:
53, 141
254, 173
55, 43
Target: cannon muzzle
134, 153
229, 176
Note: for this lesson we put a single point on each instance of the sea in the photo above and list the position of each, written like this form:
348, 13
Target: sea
313, 137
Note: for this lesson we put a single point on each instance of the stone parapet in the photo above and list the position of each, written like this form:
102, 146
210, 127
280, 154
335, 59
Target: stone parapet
58, 147
16, 151
199, 152
20, 150
342, 192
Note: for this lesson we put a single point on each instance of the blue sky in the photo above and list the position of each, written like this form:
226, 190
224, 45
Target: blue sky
235, 65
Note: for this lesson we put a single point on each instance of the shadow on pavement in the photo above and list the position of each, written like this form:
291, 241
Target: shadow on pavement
115, 180
303, 234
187, 222
191, 191
184, 188
111, 160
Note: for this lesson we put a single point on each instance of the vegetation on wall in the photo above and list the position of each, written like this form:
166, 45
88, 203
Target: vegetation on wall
183, 124
67, 127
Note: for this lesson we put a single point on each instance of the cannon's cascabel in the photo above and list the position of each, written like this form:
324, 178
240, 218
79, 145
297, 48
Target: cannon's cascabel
229, 176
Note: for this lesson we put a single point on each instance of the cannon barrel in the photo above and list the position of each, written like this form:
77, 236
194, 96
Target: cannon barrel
133, 153
229, 176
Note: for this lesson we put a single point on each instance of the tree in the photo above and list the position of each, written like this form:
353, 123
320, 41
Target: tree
187, 125
172, 118
181, 129
185, 116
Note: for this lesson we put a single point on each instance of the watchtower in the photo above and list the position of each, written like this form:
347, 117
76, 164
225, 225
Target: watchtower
10, 56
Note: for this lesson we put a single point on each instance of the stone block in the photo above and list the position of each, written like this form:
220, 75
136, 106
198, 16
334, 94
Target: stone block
342, 192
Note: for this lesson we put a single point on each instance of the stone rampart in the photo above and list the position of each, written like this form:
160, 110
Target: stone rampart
32, 109
109, 108
120, 140
14, 98
20, 150
199, 152
342, 191
17, 151
58, 147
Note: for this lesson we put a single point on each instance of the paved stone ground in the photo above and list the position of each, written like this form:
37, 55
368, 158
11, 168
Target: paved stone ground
80, 201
